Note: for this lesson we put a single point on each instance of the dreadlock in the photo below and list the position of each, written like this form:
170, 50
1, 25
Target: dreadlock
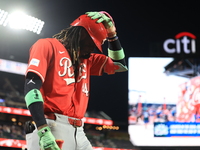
70, 38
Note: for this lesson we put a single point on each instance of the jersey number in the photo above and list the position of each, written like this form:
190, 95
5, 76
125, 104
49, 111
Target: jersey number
85, 89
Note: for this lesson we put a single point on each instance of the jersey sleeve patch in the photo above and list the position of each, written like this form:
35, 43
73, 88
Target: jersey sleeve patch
34, 62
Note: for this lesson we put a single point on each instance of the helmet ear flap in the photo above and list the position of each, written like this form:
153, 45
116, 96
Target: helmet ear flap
97, 31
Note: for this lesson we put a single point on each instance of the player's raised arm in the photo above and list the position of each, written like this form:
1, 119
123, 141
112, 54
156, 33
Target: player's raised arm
115, 50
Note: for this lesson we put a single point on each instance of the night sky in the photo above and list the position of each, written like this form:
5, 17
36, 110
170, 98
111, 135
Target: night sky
139, 24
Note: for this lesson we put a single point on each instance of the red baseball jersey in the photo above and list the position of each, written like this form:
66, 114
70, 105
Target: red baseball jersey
51, 62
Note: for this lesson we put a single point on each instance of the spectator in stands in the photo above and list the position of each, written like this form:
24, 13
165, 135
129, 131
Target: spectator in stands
145, 116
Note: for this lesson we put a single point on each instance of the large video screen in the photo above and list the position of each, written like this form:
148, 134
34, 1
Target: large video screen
163, 102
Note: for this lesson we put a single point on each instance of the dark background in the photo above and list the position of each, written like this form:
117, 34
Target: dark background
139, 25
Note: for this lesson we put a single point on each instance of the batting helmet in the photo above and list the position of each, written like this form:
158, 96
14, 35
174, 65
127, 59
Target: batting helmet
97, 31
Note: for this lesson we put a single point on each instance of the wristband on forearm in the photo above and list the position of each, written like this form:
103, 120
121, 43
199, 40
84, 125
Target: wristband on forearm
118, 57
117, 54
112, 39
114, 43
34, 102
33, 96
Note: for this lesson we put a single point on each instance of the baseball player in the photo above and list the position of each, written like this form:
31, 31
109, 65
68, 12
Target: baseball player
58, 78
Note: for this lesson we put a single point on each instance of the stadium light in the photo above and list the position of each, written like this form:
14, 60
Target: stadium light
19, 20
3, 16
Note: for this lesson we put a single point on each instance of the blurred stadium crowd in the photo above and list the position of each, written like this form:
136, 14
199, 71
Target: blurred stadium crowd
11, 95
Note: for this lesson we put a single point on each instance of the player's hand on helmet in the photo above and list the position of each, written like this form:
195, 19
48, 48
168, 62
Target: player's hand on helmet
47, 140
101, 18
105, 18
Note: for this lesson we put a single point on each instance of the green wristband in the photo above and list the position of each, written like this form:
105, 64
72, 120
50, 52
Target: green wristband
116, 55
33, 96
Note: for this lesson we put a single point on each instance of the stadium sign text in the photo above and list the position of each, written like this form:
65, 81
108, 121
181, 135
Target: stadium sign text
184, 42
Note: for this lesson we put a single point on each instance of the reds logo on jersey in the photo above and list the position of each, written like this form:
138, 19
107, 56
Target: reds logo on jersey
68, 70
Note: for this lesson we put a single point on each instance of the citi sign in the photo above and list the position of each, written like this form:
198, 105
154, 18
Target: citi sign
183, 42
